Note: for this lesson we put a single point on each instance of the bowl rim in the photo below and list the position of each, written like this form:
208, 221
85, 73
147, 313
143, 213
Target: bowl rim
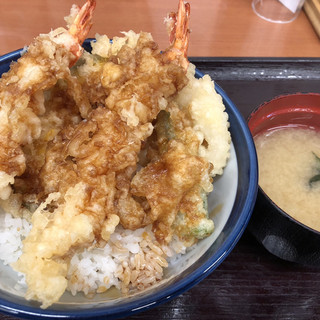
247, 204
292, 110
267, 103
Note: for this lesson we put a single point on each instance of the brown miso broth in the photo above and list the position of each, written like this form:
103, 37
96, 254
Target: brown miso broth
289, 171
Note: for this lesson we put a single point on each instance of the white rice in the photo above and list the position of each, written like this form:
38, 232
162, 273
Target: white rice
12, 233
130, 260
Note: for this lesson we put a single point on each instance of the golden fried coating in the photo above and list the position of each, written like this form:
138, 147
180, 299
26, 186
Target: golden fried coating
108, 142
22, 100
165, 182
91, 157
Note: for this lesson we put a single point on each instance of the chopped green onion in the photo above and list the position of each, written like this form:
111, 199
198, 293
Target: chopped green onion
315, 178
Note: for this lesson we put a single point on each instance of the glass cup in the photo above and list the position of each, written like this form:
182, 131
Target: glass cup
278, 11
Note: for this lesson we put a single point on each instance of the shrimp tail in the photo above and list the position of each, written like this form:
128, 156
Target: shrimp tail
82, 23
178, 28
81, 26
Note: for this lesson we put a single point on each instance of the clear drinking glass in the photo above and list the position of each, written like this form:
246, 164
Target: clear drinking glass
278, 11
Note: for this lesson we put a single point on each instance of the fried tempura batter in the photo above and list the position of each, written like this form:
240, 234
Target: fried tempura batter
109, 142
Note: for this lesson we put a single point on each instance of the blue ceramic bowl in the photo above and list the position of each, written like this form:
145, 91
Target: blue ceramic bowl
235, 193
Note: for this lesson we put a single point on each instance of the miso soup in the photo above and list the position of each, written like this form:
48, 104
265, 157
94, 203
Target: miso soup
289, 171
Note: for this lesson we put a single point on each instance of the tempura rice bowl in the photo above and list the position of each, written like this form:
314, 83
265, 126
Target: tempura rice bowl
231, 205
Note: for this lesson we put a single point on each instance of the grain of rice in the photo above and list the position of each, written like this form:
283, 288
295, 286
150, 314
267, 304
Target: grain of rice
119, 271
144, 244
90, 295
137, 261
126, 276
119, 248
142, 260
145, 281
159, 275
167, 251
102, 289
151, 280
141, 279
155, 265
155, 248
149, 266
161, 261
131, 262
141, 287
134, 276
